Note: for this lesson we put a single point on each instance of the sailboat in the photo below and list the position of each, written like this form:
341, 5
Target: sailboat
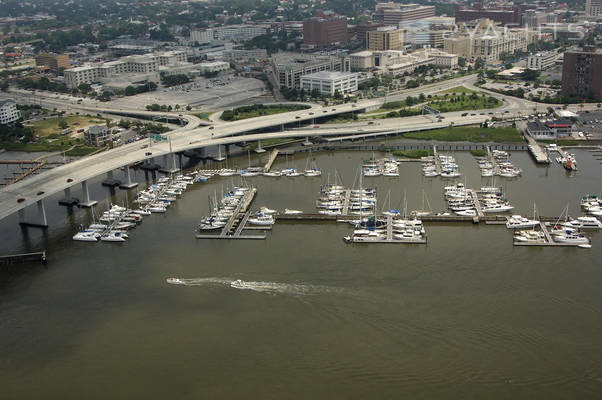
311, 169
423, 212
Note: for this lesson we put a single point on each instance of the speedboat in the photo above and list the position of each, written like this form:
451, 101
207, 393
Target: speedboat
239, 284
174, 281
520, 222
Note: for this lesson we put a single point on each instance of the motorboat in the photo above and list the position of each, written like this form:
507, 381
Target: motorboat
530, 236
584, 223
498, 208
267, 211
520, 222
467, 213
174, 281
292, 212
273, 173
141, 212
573, 238
312, 172
262, 220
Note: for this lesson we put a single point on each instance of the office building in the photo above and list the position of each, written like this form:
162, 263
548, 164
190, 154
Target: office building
325, 29
541, 61
385, 38
329, 83
55, 62
8, 112
505, 15
393, 13
240, 33
289, 67
362, 30
581, 73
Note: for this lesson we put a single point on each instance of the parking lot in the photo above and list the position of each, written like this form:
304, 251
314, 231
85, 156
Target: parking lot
591, 125
203, 93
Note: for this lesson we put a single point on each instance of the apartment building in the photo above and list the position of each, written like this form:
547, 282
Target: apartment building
202, 36
593, 8
581, 75
240, 33
97, 135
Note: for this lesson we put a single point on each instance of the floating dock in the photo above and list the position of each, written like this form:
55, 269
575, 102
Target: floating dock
238, 222
541, 157
24, 257
548, 241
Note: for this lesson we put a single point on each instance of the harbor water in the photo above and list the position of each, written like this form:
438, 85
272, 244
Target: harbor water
465, 316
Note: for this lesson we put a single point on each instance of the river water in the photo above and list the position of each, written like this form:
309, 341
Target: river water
465, 316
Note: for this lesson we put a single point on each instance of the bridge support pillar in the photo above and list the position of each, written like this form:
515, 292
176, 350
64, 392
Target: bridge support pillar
42, 213
86, 201
68, 200
110, 181
259, 149
307, 142
169, 160
22, 216
128, 184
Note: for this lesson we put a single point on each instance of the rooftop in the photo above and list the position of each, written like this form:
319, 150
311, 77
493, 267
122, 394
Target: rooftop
330, 75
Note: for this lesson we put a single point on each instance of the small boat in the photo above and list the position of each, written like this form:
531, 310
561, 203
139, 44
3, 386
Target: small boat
467, 213
530, 236
574, 238
112, 237
267, 211
584, 223
272, 173
174, 281
86, 236
312, 172
292, 212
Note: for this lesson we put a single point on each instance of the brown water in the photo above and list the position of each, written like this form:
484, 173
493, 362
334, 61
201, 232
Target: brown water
466, 316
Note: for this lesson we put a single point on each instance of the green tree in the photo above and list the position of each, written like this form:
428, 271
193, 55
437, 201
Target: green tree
63, 124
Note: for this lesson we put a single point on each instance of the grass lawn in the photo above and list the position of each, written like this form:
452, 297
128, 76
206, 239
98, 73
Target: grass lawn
458, 89
478, 153
469, 134
413, 153
202, 115
51, 125
258, 110
80, 150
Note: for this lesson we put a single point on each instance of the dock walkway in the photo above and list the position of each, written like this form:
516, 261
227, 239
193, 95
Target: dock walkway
541, 157
271, 160
477, 204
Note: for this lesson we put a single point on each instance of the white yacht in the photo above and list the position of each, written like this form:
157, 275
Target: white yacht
86, 236
520, 222
262, 220
112, 237
267, 211
530, 236
584, 223
497, 208
467, 213
574, 238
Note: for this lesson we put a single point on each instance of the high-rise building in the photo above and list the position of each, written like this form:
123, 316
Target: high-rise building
394, 13
593, 8
8, 111
385, 38
325, 29
581, 75
362, 30
505, 15
56, 62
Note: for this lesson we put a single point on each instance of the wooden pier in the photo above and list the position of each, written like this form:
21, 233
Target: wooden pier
24, 257
238, 221
437, 160
477, 203
541, 157
273, 155
346, 202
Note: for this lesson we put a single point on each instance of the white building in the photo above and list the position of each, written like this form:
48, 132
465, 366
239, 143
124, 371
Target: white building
205, 36
8, 112
239, 33
147, 64
396, 61
361, 60
215, 66
329, 82
541, 61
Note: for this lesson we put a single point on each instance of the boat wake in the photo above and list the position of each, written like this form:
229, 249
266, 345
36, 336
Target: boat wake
265, 287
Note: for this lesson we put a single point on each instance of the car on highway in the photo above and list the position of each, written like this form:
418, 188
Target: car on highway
325, 111
20, 199
40, 193
311, 113
211, 127
316, 126
144, 146
464, 114
297, 117
70, 180
334, 109
506, 112
148, 153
